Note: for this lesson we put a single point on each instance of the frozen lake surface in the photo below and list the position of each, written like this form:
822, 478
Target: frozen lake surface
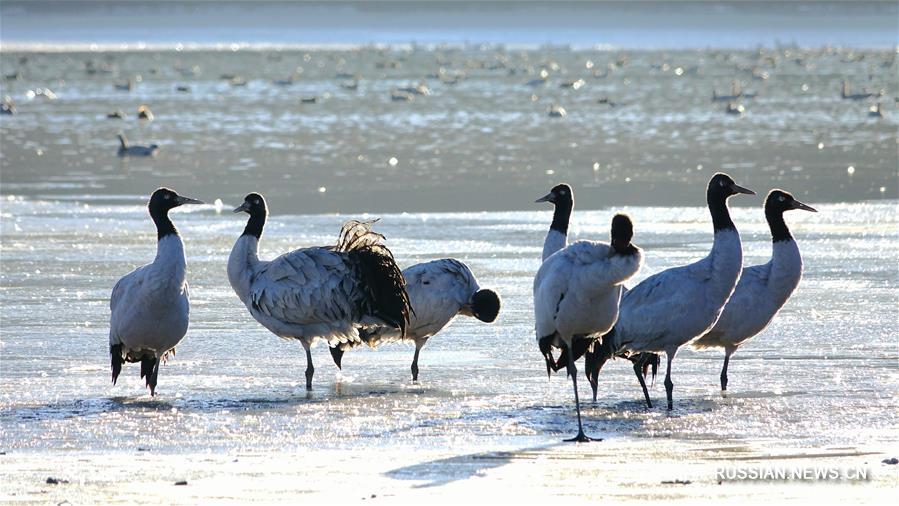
231, 416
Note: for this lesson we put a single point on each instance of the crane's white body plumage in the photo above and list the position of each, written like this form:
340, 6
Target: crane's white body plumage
675, 306
762, 291
150, 306
306, 294
438, 291
577, 289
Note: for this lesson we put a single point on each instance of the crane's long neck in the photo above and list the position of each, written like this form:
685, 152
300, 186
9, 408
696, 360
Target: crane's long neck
727, 249
785, 257
561, 216
170, 258
717, 203
779, 229
557, 237
244, 256
164, 225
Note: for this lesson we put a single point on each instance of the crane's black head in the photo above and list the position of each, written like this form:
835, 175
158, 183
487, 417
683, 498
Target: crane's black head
254, 205
161, 202
485, 305
164, 199
560, 194
776, 204
721, 187
622, 233
779, 201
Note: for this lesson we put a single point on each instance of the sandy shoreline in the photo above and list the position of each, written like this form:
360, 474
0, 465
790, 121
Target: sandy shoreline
619, 469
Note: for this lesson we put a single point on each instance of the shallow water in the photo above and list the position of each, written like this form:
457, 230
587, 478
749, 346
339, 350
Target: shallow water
822, 379
359, 151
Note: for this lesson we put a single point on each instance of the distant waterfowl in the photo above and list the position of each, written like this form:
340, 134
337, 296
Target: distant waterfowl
562, 198
289, 81
576, 293
573, 85
557, 111
401, 96
350, 85
540, 80
763, 289
759, 74
45, 93
735, 109
144, 113
846, 95
117, 114
126, 150
672, 308
607, 101
416, 89
438, 291
875, 111
124, 86
735, 94
314, 293
8, 107
182, 88
308, 100
151, 305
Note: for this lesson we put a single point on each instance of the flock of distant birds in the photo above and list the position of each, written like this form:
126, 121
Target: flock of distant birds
734, 100
353, 293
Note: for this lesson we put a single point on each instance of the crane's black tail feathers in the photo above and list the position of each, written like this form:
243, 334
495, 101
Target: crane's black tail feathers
648, 360
337, 355
115, 354
382, 279
149, 369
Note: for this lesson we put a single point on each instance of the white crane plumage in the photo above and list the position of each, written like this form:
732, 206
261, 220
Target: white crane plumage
672, 308
763, 289
576, 292
150, 306
561, 197
438, 290
318, 293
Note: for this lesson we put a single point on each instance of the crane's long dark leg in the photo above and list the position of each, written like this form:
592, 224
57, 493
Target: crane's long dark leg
115, 353
310, 370
581, 437
149, 369
727, 354
669, 386
638, 370
415, 360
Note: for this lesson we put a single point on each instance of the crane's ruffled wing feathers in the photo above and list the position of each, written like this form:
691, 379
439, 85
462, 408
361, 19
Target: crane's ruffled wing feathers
358, 234
597, 267
380, 279
306, 286
550, 286
444, 278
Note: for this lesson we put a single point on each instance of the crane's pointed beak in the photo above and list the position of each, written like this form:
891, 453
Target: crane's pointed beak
181, 200
546, 198
241, 208
739, 189
800, 205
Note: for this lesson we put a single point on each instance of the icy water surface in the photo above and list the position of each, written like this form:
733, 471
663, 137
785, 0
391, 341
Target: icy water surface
231, 414
317, 131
